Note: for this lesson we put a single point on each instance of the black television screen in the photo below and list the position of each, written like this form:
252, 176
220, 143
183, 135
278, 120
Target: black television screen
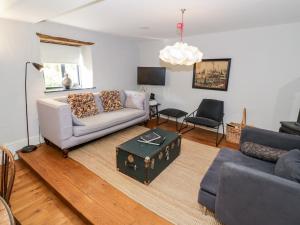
151, 75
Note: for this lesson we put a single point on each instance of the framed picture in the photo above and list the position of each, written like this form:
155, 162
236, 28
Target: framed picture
212, 74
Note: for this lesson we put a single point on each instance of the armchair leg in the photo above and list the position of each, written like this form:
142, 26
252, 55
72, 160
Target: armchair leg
159, 122
185, 126
182, 128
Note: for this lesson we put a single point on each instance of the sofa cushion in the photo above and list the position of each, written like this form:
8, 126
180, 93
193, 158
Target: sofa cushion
76, 121
83, 105
261, 151
211, 179
135, 99
288, 166
111, 100
105, 120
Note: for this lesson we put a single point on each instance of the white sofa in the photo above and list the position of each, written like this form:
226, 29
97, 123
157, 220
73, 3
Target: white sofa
58, 127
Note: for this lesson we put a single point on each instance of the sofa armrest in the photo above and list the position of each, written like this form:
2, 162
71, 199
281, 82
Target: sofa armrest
270, 138
248, 196
55, 120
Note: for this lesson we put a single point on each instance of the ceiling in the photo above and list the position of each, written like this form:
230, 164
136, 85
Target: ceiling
155, 18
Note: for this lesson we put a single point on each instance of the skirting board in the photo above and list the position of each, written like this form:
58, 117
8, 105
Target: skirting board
17, 145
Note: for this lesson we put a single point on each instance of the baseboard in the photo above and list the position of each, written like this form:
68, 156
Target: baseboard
18, 144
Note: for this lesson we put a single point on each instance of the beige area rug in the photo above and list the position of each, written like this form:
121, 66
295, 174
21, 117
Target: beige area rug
173, 194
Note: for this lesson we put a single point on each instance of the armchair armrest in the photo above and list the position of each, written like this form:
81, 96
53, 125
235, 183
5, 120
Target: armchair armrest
192, 114
248, 196
270, 138
55, 120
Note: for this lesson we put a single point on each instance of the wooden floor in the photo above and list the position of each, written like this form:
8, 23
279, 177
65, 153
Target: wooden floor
81, 197
33, 202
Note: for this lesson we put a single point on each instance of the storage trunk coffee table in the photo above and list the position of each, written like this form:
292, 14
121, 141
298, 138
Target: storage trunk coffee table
144, 162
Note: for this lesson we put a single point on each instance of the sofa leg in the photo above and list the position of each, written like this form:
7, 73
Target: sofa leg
65, 153
146, 123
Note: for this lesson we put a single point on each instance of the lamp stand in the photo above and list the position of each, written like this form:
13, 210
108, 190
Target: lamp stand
28, 148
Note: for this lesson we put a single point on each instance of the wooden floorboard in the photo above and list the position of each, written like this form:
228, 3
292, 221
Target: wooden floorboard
33, 203
92, 197
79, 193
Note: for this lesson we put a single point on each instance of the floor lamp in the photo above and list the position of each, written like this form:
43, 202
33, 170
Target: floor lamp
29, 148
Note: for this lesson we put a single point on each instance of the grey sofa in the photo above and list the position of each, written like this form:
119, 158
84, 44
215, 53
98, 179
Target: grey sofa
57, 125
242, 190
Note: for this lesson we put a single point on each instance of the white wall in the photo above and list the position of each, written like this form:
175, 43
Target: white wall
114, 66
264, 75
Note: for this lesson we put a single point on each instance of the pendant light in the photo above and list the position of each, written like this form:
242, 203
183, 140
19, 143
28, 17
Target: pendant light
181, 53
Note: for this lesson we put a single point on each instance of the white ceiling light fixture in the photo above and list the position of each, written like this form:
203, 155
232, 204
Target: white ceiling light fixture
181, 53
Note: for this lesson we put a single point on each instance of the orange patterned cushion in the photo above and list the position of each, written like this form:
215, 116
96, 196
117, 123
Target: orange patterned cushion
111, 100
83, 105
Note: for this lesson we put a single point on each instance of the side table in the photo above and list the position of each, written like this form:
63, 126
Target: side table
153, 110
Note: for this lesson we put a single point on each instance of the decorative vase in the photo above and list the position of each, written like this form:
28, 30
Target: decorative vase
67, 82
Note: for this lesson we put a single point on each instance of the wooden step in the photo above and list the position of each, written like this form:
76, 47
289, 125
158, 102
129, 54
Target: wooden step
95, 200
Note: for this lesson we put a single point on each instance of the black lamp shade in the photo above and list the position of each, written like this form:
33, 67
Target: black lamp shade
39, 67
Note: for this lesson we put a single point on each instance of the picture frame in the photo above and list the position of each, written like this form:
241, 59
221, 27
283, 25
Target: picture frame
212, 74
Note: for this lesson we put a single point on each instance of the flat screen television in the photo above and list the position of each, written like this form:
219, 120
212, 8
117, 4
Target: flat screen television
151, 75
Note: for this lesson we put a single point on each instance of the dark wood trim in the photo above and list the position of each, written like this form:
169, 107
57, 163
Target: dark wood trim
61, 40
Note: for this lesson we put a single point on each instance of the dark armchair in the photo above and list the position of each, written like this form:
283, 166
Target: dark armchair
210, 114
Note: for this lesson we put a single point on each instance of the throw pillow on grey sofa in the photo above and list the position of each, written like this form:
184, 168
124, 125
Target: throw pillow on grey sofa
135, 99
288, 166
261, 151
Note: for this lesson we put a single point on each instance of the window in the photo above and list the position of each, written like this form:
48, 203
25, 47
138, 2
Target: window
54, 74
59, 60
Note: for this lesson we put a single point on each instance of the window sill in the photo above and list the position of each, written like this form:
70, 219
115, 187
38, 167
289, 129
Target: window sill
65, 90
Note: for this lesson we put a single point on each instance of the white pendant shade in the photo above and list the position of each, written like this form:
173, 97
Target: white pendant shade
181, 54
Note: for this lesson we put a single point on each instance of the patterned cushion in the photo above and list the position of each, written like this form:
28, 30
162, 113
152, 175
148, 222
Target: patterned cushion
83, 105
111, 100
261, 151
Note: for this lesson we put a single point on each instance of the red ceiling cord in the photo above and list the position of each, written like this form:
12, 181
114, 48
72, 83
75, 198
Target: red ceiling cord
181, 25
